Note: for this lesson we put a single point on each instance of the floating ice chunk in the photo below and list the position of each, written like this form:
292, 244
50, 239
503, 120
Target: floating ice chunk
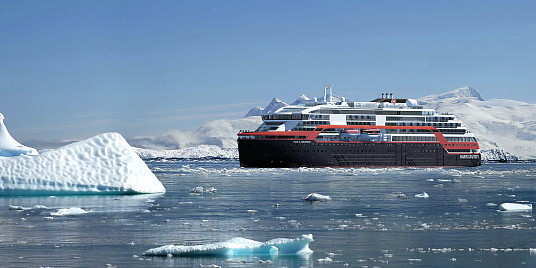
197, 190
11, 147
104, 164
211, 190
200, 190
491, 205
399, 195
423, 195
515, 207
68, 212
316, 197
325, 260
12, 207
239, 246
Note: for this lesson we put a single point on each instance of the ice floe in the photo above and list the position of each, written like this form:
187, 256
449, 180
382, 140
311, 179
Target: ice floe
423, 195
14, 207
11, 147
515, 207
316, 197
325, 260
104, 164
68, 211
200, 190
239, 246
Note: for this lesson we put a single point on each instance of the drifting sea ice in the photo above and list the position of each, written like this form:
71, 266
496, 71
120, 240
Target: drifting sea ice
239, 246
104, 164
200, 190
515, 207
316, 197
423, 195
68, 212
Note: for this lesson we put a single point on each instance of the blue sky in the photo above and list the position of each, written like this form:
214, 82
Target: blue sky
74, 69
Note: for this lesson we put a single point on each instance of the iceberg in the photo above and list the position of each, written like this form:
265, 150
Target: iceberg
423, 195
515, 207
104, 164
11, 147
316, 197
68, 211
239, 246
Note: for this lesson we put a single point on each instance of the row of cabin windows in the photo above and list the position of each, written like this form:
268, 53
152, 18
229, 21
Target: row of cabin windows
360, 117
437, 125
413, 138
461, 139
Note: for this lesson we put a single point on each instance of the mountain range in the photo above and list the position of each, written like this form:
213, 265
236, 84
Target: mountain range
505, 129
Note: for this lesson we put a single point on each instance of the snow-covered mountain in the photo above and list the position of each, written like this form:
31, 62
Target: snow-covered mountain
274, 105
220, 133
460, 93
301, 100
505, 129
498, 124
257, 111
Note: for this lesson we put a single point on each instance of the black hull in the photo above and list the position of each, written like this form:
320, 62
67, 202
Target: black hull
305, 153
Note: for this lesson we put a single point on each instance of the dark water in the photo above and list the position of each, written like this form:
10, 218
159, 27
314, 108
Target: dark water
366, 223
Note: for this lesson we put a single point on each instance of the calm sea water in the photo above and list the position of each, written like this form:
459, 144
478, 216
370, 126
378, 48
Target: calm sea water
368, 222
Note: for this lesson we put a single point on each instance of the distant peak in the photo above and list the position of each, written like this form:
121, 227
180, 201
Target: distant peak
467, 91
301, 99
459, 93
274, 105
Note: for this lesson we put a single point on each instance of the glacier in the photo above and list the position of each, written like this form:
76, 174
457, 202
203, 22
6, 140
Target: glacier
104, 164
9, 146
239, 246
505, 129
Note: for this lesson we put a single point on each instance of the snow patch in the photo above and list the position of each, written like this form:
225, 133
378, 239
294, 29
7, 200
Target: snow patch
104, 164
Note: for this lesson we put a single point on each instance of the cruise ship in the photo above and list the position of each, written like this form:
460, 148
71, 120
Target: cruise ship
335, 132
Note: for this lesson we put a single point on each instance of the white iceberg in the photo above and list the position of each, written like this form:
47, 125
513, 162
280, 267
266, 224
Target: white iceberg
104, 164
9, 146
423, 195
200, 190
68, 212
515, 207
239, 246
316, 197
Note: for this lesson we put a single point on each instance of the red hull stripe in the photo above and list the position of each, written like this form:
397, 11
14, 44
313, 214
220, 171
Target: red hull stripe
312, 135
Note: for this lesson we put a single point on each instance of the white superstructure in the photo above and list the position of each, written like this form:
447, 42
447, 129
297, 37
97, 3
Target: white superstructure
384, 111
